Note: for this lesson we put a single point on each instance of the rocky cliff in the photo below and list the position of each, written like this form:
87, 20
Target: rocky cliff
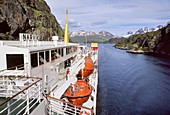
152, 42
163, 44
27, 16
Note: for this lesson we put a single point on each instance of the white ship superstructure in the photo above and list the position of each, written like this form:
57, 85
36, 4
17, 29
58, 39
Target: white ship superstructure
32, 76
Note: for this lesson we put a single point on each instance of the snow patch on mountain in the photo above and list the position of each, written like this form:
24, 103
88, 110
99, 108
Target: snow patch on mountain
83, 33
141, 31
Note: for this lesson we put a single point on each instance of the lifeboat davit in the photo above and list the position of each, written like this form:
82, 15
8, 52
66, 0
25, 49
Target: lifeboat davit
78, 93
88, 69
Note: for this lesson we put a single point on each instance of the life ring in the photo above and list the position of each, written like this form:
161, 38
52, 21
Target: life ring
84, 112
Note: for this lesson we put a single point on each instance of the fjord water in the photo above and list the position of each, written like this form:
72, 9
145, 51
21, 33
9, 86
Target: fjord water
132, 84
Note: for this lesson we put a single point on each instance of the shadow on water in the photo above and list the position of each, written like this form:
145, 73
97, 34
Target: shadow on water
132, 84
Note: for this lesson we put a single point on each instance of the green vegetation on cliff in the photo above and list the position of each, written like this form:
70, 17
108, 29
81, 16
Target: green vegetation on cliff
156, 42
98, 39
115, 40
89, 39
27, 16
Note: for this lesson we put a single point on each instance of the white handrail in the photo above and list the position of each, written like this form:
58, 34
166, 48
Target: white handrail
27, 97
57, 106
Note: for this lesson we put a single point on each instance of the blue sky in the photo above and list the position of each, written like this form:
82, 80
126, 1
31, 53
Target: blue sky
115, 16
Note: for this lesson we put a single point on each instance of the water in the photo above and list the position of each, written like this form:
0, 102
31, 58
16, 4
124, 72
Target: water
132, 84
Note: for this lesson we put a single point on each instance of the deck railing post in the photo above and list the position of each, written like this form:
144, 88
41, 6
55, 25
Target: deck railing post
8, 106
39, 91
50, 107
27, 108
75, 110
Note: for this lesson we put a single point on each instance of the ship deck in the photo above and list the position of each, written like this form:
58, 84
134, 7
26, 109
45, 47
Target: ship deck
25, 95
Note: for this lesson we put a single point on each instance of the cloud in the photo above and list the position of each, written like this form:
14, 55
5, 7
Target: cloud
125, 6
98, 23
73, 23
137, 21
117, 16
81, 12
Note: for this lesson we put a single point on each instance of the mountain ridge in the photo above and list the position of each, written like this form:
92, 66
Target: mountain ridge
141, 31
89, 36
104, 33
156, 42
90, 33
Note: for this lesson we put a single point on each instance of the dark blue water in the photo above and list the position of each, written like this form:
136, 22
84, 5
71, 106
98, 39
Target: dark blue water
132, 84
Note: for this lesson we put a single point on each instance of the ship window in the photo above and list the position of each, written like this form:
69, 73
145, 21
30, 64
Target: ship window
15, 61
67, 50
47, 56
62, 52
53, 55
67, 63
71, 50
59, 52
41, 58
75, 49
56, 50
34, 60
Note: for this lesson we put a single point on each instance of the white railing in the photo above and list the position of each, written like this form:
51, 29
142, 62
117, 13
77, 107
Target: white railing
19, 70
57, 106
19, 98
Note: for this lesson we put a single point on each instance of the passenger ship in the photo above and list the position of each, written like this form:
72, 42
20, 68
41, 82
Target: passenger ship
33, 76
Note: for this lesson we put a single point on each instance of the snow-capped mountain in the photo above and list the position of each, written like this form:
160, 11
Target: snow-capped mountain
89, 36
141, 31
83, 33
108, 35
126, 35
105, 33
146, 29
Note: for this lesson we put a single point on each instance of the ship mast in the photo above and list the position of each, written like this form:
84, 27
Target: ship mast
66, 40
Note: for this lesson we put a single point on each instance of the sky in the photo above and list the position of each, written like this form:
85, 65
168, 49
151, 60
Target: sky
115, 16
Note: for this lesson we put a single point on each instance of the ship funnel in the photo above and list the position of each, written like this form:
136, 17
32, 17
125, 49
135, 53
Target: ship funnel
66, 40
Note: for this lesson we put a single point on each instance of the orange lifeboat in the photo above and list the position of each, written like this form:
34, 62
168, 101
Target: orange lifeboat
78, 93
88, 69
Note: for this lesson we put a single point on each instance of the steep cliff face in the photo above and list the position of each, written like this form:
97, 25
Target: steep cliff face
156, 42
30, 16
163, 45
